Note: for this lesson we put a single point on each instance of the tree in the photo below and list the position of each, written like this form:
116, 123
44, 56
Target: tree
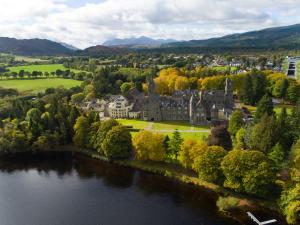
295, 121
81, 129
247, 91
220, 137
185, 158
284, 128
117, 143
209, 164
290, 204
125, 87
247, 171
236, 122
104, 128
265, 106
175, 145
283, 88
149, 146
77, 98
277, 156
264, 134
33, 117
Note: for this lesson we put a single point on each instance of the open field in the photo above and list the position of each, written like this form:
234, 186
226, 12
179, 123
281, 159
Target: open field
298, 70
167, 128
43, 68
38, 85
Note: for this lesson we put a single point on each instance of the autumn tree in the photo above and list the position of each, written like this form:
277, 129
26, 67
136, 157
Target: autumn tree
149, 146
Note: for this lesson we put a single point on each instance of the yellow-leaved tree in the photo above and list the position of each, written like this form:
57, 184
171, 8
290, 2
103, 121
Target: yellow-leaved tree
149, 146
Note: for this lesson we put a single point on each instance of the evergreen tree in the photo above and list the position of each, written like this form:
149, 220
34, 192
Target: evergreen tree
175, 145
247, 91
283, 88
295, 121
264, 134
166, 142
265, 106
284, 128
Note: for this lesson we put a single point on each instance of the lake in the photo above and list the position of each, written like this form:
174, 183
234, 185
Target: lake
61, 189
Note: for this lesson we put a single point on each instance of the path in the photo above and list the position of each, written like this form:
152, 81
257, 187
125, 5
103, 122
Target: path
149, 126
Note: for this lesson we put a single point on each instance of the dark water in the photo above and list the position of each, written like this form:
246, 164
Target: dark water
66, 190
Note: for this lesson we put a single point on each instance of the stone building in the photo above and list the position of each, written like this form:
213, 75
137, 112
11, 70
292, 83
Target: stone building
196, 107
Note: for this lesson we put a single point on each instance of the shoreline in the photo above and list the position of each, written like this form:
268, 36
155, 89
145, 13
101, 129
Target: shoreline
177, 173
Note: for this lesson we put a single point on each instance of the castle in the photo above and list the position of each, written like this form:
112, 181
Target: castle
196, 107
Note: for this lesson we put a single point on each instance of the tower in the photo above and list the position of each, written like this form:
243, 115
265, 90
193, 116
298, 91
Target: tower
154, 111
229, 101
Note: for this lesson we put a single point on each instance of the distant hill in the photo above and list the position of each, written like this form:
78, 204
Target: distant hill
32, 47
71, 47
138, 42
287, 37
102, 50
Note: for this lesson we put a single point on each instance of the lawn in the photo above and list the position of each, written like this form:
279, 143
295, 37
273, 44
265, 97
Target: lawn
38, 85
167, 128
136, 124
43, 68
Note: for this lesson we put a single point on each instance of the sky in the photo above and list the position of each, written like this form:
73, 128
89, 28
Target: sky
85, 23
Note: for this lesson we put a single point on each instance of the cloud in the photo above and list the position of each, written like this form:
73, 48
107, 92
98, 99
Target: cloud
93, 23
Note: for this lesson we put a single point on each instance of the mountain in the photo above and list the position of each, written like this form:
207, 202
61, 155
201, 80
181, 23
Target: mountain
71, 47
102, 50
32, 47
138, 42
287, 37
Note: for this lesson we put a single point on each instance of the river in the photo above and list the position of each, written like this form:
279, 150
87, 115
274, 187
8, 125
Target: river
61, 189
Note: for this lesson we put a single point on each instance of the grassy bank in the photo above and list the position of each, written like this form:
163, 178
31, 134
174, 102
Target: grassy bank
178, 173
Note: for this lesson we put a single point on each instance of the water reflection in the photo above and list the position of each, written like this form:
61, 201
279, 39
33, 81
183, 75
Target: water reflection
62, 189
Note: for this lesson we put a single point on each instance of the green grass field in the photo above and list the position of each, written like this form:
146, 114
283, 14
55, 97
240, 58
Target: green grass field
38, 85
298, 70
167, 128
43, 68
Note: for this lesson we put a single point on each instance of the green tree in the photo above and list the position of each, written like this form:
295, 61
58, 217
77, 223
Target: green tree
247, 91
265, 106
283, 88
236, 122
175, 145
209, 164
264, 134
290, 204
117, 143
81, 129
104, 128
247, 171
277, 156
